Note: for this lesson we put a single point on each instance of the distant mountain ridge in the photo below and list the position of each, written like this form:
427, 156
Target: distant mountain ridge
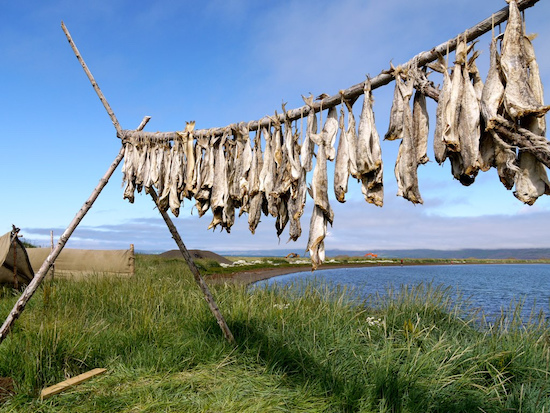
501, 253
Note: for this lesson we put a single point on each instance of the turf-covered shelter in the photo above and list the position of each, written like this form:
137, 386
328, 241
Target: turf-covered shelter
15, 269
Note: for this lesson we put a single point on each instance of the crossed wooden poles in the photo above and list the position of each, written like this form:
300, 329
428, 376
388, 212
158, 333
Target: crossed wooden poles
351, 93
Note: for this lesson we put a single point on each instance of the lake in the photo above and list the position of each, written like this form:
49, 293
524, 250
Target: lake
489, 287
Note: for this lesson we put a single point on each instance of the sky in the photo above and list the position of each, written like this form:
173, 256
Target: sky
220, 62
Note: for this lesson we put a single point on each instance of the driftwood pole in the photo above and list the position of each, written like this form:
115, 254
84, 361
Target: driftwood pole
195, 271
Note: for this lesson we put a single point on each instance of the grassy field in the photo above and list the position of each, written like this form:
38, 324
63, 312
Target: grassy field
308, 352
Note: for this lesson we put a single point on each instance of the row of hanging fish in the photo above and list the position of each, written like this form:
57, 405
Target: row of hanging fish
468, 112
473, 129
225, 173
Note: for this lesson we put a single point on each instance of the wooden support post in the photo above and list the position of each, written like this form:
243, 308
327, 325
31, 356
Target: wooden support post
132, 260
195, 271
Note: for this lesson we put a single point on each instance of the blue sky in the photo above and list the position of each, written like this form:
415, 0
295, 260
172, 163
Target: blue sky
220, 62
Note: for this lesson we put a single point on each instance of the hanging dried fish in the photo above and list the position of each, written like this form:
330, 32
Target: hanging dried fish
369, 168
402, 93
330, 129
468, 123
439, 146
531, 180
189, 159
341, 166
519, 97
205, 180
129, 171
407, 157
319, 185
317, 234
351, 138
308, 147
220, 189
255, 194
420, 126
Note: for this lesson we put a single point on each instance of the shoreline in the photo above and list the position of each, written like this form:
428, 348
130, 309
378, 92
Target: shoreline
262, 274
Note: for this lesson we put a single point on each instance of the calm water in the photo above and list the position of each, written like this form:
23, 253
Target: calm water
488, 287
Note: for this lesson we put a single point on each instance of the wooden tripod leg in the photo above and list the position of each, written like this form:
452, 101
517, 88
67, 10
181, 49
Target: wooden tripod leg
195, 271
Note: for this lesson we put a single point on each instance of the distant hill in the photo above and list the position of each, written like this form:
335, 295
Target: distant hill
519, 254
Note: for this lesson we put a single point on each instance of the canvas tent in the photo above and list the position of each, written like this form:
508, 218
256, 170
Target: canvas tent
15, 266
79, 263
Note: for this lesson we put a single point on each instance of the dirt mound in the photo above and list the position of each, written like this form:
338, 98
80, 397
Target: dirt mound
196, 254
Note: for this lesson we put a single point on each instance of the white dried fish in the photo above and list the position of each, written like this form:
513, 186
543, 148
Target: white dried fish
369, 154
420, 126
402, 92
531, 180
308, 147
439, 147
341, 166
519, 98
317, 234
256, 196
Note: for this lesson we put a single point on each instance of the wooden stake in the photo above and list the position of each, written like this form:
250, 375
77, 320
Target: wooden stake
195, 271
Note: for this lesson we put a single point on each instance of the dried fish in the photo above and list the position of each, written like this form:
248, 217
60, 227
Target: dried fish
351, 138
469, 130
129, 171
519, 97
407, 158
319, 185
531, 180
369, 155
420, 126
308, 147
439, 147
317, 234
402, 93
220, 190
341, 166
255, 195
369, 168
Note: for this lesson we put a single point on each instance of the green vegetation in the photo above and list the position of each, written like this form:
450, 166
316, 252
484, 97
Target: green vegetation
306, 351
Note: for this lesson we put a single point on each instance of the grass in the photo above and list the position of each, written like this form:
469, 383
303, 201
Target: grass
302, 348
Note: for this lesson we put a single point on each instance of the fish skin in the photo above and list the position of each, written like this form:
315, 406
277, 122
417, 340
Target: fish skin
452, 108
256, 196
519, 98
268, 172
341, 165
372, 187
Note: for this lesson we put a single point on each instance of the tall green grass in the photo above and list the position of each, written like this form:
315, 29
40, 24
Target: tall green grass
301, 348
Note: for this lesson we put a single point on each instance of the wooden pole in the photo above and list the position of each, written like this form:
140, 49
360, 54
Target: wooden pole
354, 91
195, 271
92, 80
132, 260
